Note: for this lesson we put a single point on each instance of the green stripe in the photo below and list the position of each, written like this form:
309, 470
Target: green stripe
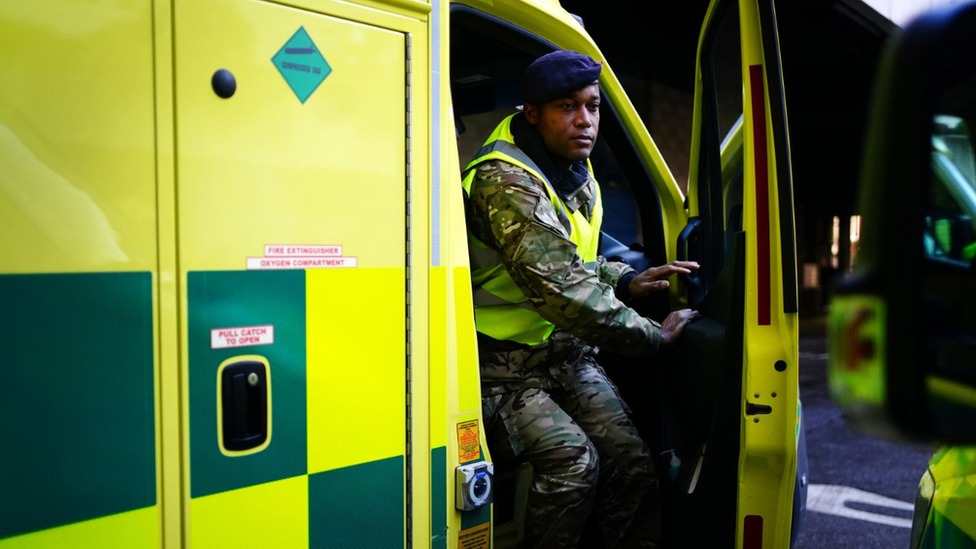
231, 299
941, 533
438, 497
470, 519
77, 398
359, 506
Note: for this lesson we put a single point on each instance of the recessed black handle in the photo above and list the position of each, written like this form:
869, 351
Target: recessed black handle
757, 409
244, 403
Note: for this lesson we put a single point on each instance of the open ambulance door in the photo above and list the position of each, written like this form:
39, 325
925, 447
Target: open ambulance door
716, 492
729, 410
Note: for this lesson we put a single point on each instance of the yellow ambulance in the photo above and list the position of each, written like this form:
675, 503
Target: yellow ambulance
234, 282
902, 325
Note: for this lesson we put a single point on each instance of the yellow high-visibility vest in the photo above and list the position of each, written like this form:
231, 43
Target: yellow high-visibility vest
501, 310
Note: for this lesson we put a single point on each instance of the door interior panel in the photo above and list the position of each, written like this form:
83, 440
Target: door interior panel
615, 250
686, 405
700, 410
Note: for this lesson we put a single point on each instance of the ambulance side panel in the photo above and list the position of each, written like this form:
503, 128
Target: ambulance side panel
295, 232
79, 456
456, 427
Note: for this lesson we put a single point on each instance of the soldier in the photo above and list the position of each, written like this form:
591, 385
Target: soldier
544, 303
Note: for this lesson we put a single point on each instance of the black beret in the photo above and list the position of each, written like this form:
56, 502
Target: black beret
556, 75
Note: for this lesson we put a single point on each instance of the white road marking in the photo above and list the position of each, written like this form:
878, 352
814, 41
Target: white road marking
814, 356
831, 500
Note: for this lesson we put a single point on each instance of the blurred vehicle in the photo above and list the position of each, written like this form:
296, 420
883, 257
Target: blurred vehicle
902, 327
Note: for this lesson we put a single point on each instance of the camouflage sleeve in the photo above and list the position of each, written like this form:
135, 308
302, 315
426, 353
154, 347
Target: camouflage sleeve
513, 213
609, 272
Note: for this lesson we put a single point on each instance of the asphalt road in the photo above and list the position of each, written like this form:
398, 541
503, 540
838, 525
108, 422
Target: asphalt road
848, 470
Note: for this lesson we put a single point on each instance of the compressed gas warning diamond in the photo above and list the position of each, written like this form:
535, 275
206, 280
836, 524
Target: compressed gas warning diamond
301, 64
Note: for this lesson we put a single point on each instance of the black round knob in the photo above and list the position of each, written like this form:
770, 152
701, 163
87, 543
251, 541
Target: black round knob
224, 84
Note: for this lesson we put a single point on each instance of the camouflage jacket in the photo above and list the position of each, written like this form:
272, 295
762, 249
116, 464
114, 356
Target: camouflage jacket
509, 210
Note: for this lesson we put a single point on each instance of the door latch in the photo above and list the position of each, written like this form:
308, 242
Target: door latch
244, 399
757, 409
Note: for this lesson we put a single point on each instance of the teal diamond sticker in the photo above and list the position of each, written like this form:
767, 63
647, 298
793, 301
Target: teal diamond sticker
301, 64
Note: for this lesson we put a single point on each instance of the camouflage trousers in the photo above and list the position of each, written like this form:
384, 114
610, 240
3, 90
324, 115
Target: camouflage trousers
553, 406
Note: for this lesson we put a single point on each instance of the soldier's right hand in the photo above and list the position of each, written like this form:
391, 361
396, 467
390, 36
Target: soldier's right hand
675, 323
656, 278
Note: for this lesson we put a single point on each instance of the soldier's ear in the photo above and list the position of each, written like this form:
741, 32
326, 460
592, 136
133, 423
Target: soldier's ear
531, 113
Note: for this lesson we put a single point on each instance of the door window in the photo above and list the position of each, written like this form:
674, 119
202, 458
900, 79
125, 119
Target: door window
720, 161
950, 220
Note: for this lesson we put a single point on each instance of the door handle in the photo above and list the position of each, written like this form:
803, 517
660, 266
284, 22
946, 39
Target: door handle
244, 405
757, 409
690, 249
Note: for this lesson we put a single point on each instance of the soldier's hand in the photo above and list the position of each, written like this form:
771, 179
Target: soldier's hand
675, 323
656, 278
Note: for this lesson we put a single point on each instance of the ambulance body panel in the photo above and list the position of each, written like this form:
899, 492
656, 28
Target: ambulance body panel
235, 280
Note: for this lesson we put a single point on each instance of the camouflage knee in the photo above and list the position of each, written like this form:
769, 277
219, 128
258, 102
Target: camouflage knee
563, 492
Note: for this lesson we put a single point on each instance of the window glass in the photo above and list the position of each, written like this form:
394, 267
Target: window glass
950, 221
727, 84
727, 71
621, 219
720, 171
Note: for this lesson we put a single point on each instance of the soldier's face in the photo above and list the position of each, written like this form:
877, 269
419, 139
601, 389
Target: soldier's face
568, 126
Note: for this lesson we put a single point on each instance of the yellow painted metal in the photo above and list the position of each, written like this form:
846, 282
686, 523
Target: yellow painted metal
263, 168
455, 387
137, 529
460, 386
304, 163
767, 458
408, 8
169, 436
954, 471
441, 324
469, 384
78, 176
951, 391
111, 161
274, 514
438, 357
77, 190
419, 119
356, 366
384, 12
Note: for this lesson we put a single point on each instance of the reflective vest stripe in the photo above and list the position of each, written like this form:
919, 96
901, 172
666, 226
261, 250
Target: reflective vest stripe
512, 150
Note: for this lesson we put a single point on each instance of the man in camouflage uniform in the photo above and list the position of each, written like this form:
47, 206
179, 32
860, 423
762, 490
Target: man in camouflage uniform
545, 303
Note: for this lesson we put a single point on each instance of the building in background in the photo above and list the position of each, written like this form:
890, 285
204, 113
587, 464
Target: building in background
900, 12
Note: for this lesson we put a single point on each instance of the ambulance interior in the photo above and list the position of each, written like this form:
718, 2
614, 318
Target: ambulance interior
686, 400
